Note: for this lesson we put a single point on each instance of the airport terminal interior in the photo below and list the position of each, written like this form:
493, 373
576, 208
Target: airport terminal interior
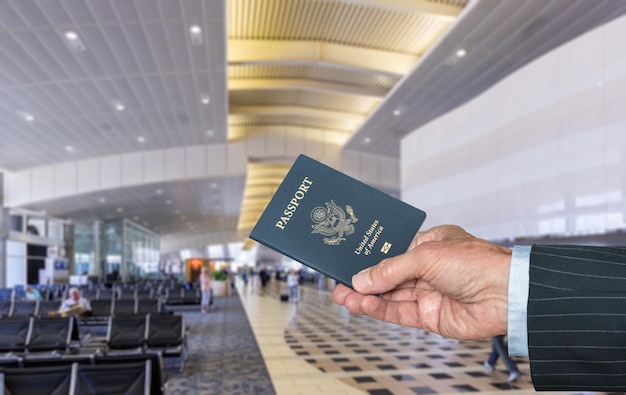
141, 140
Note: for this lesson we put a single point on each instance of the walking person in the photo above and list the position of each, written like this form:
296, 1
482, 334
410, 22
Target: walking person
499, 349
206, 285
293, 280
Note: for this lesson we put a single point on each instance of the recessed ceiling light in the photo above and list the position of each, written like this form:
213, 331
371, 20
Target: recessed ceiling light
195, 35
71, 35
205, 98
102, 200
118, 105
398, 111
210, 133
69, 148
74, 41
120, 209
28, 117
461, 52
158, 191
141, 139
367, 140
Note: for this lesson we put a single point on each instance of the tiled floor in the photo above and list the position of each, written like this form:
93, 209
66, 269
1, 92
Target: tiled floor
252, 343
317, 347
223, 358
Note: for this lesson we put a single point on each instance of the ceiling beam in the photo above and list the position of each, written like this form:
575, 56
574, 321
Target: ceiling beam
323, 136
242, 51
271, 83
429, 8
292, 110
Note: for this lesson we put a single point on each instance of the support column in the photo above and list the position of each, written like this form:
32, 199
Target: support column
70, 251
4, 234
123, 264
98, 265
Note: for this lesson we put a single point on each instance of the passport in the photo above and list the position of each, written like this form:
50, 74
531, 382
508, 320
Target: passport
334, 223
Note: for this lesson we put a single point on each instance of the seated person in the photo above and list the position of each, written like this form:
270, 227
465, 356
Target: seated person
31, 293
75, 304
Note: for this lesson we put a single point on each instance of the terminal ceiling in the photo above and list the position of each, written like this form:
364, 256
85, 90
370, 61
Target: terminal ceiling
99, 78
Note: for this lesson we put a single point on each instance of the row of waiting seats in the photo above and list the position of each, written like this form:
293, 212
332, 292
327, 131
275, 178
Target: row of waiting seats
166, 334
100, 307
178, 295
76, 378
118, 293
35, 343
35, 308
174, 293
25, 336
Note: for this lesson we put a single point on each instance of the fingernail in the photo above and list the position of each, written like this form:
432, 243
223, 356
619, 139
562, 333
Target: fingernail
362, 279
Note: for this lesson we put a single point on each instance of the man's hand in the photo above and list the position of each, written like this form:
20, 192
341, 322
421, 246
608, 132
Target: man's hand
448, 282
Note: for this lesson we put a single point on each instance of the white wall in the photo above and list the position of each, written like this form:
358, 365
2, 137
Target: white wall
542, 152
16, 264
193, 162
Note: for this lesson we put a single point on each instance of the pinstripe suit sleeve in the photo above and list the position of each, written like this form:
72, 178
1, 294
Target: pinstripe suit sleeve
577, 318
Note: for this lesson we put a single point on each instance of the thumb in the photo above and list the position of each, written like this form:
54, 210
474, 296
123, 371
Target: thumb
386, 275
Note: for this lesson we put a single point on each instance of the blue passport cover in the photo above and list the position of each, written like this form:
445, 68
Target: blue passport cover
334, 223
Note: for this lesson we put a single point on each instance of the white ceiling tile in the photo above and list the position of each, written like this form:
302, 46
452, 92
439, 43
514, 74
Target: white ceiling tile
125, 10
29, 13
101, 10
215, 10
198, 55
158, 44
172, 91
5, 80
20, 61
143, 94
9, 18
193, 12
155, 85
123, 54
216, 46
202, 83
55, 56
148, 10
140, 48
11, 67
178, 42
80, 12
99, 59
169, 9
54, 12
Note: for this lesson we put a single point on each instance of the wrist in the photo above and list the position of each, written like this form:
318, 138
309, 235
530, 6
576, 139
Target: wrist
502, 294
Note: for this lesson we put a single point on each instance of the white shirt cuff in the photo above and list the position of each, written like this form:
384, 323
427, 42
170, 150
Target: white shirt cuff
519, 281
